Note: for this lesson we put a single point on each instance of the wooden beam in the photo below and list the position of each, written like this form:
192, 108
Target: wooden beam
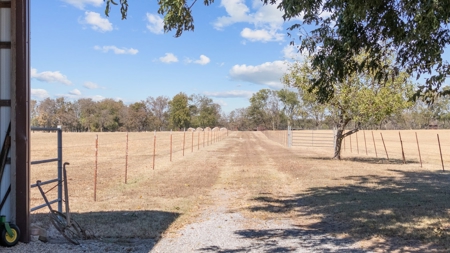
20, 97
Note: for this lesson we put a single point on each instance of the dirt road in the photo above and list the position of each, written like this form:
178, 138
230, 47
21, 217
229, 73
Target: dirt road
250, 170
247, 193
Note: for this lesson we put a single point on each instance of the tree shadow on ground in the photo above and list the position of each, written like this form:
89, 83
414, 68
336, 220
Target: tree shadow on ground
408, 212
287, 240
125, 229
369, 160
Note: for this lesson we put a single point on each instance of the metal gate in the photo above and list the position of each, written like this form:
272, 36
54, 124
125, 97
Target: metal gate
313, 138
58, 159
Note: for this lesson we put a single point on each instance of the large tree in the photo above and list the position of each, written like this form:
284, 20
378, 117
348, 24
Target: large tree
179, 113
204, 112
416, 30
290, 103
159, 107
360, 98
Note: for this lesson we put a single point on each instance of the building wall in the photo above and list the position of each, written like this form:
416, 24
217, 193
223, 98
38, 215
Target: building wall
5, 94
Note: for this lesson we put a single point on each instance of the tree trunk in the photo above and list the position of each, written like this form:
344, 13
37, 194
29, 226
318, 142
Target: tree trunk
338, 143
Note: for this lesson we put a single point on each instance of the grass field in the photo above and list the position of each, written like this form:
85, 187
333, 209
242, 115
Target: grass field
385, 205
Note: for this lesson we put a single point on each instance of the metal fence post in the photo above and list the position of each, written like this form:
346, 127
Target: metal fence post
60, 160
289, 136
95, 171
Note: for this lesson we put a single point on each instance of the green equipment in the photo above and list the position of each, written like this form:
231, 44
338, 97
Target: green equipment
9, 233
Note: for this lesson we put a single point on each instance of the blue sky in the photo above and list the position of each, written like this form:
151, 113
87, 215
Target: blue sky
238, 47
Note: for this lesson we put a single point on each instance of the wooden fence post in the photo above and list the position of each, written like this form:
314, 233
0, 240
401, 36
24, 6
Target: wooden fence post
154, 149
418, 149
382, 139
401, 144
365, 143
203, 138
95, 172
126, 160
440, 151
192, 142
170, 144
198, 141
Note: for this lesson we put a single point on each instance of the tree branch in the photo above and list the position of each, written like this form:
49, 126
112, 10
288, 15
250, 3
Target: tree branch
350, 132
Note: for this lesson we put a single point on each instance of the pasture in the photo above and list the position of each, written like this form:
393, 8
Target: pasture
384, 205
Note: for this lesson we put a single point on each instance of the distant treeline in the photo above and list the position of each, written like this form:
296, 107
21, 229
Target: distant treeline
268, 109
108, 115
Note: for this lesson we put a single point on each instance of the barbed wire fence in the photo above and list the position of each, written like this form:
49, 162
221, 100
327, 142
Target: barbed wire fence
114, 157
404, 146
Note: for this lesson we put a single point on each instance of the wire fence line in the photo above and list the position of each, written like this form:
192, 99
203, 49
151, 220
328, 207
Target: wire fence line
404, 146
117, 157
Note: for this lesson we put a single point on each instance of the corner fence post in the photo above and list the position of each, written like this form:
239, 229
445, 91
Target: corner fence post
60, 160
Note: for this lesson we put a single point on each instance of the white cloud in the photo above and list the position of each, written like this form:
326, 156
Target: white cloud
292, 53
97, 98
261, 35
50, 77
267, 19
80, 4
230, 94
237, 12
268, 73
117, 50
90, 85
221, 102
203, 60
155, 23
75, 92
96, 22
39, 94
168, 58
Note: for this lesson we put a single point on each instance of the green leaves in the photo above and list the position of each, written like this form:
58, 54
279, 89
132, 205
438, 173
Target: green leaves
177, 13
361, 98
179, 113
123, 7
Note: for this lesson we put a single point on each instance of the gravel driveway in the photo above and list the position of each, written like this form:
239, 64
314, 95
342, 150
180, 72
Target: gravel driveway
221, 225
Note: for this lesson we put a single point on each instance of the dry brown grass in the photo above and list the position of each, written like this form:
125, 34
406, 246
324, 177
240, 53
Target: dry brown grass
149, 202
386, 206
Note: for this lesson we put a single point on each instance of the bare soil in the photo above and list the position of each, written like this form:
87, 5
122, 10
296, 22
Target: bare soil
279, 199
